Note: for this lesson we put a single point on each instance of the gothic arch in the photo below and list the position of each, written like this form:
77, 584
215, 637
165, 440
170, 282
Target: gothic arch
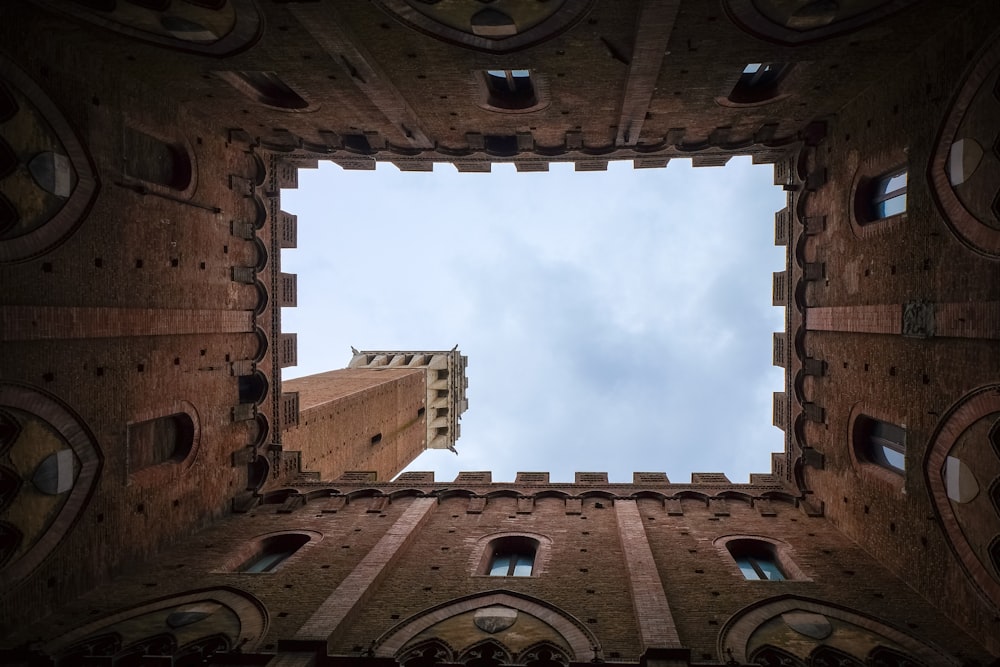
238, 21
811, 21
63, 481
976, 406
185, 455
59, 170
962, 148
500, 28
182, 618
807, 619
579, 641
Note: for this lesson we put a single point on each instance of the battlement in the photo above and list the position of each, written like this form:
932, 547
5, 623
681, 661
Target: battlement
446, 385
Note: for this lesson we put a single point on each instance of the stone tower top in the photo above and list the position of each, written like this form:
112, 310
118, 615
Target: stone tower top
446, 385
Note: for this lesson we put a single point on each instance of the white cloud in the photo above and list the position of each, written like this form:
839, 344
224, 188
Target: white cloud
616, 321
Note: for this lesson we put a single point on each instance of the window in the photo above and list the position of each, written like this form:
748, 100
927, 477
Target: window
887, 196
273, 551
151, 160
512, 557
758, 83
757, 559
510, 89
880, 443
162, 440
265, 87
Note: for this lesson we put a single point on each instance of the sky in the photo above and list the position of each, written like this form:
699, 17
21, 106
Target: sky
615, 321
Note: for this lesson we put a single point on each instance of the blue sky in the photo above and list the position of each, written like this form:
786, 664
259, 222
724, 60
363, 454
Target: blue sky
617, 321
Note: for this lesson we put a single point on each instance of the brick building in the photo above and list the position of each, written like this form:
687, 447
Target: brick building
164, 499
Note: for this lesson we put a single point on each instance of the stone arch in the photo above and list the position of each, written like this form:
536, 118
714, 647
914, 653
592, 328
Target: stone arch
70, 472
252, 388
860, 460
728, 546
184, 427
974, 408
296, 541
208, 28
491, 29
810, 21
49, 160
579, 641
961, 149
183, 617
812, 623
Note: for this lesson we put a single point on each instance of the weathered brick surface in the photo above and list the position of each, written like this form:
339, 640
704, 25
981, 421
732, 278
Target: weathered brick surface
341, 413
161, 297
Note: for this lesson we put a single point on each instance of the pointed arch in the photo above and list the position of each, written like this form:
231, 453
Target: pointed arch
487, 653
102, 637
737, 634
581, 641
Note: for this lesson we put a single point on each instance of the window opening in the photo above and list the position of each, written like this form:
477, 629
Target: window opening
161, 440
756, 559
889, 195
273, 552
758, 82
881, 443
510, 88
151, 160
512, 557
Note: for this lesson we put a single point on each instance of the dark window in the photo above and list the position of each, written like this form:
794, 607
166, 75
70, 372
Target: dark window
162, 440
512, 557
266, 88
510, 89
758, 83
253, 388
377, 438
151, 160
756, 559
273, 551
880, 442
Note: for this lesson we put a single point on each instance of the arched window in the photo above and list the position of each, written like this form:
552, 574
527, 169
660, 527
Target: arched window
151, 160
161, 440
510, 88
252, 388
757, 559
880, 442
882, 197
512, 556
273, 551
265, 88
758, 83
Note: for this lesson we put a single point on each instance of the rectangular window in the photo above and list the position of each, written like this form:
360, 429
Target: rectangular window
889, 197
759, 569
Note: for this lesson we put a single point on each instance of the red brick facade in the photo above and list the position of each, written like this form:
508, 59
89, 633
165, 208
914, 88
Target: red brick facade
166, 499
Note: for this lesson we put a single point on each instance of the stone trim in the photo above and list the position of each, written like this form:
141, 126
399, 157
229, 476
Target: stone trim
60, 323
